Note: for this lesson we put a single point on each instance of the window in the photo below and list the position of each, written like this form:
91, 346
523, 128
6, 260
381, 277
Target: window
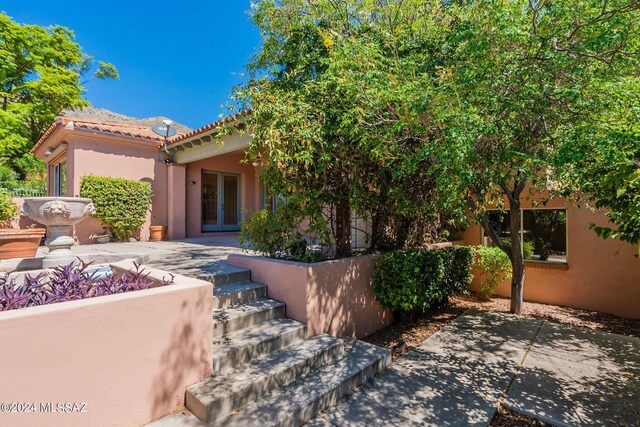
272, 201
543, 231
60, 179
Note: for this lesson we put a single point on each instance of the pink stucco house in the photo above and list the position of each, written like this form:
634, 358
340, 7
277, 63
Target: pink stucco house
201, 186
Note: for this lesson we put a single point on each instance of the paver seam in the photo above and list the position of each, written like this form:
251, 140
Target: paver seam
519, 368
525, 412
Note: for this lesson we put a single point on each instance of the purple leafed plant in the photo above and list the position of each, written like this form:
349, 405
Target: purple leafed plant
68, 283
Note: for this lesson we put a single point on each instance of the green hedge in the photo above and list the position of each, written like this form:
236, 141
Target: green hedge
122, 204
413, 281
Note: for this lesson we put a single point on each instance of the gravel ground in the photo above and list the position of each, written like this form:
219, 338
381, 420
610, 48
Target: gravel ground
402, 336
506, 418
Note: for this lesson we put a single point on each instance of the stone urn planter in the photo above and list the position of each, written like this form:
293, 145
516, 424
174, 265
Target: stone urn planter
157, 232
59, 214
16, 243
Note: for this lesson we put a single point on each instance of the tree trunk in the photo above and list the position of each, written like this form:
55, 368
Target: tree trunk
513, 251
343, 229
517, 262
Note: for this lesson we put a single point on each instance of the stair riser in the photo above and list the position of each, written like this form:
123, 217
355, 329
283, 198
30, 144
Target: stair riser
221, 327
222, 405
241, 297
312, 409
227, 278
233, 359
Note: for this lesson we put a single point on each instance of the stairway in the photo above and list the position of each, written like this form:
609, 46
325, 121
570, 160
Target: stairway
267, 372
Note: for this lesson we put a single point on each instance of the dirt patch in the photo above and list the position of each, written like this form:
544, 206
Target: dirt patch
506, 418
402, 336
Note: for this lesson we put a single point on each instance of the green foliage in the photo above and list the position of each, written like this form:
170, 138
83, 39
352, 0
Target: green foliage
527, 247
337, 101
604, 164
277, 234
494, 266
121, 204
41, 74
413, 281
8, 209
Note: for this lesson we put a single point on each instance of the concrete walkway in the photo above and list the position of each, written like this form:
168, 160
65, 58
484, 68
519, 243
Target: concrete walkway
460, 375
199, 257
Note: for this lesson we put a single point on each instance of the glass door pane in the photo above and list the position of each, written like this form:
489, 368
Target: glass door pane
231, 198
210, 197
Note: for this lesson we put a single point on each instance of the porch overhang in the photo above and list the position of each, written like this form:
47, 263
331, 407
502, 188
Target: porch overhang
205, 146
206, 142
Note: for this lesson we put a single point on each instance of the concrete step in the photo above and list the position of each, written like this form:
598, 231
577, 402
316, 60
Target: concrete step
226, 276
215, 398
231, 319
238, 348
237, 293
300, 401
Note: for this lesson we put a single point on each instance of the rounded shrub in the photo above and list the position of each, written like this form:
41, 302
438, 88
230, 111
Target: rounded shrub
413, 281
494, 267
121, 204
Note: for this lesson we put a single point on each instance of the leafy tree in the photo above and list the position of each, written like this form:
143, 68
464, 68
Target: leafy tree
41, 73
334, 91
405, 110
523, 80
605, 164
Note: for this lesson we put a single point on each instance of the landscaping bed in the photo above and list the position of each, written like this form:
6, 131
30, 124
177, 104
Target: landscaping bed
507, 418
105, 348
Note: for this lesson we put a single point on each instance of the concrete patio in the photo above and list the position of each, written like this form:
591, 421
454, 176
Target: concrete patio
562, 375
197, 257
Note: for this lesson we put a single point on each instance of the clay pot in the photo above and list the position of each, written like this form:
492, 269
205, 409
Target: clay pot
157, 232
15, 243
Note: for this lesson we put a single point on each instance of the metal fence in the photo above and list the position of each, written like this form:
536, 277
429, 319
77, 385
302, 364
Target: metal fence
25, 192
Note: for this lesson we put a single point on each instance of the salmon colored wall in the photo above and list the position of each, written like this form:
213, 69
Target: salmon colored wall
602, 275
129, 357
176, 215
332, 297
232, 163
89, 153
21, 221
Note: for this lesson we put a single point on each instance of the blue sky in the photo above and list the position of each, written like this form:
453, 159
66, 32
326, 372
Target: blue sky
176, 59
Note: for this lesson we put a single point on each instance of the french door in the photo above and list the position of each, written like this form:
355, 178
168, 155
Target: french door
220, 201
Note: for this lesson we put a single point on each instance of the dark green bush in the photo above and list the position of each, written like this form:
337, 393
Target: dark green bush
122, 204
413, 281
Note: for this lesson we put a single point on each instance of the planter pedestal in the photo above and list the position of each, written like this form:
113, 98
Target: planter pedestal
59, 242
59, 214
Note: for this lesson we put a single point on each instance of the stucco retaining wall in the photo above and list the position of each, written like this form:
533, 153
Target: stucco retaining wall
332, 297
129, 357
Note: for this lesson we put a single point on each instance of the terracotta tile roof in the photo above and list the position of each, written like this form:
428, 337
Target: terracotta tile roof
132, 130
46, 135
123, 129
179, 138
